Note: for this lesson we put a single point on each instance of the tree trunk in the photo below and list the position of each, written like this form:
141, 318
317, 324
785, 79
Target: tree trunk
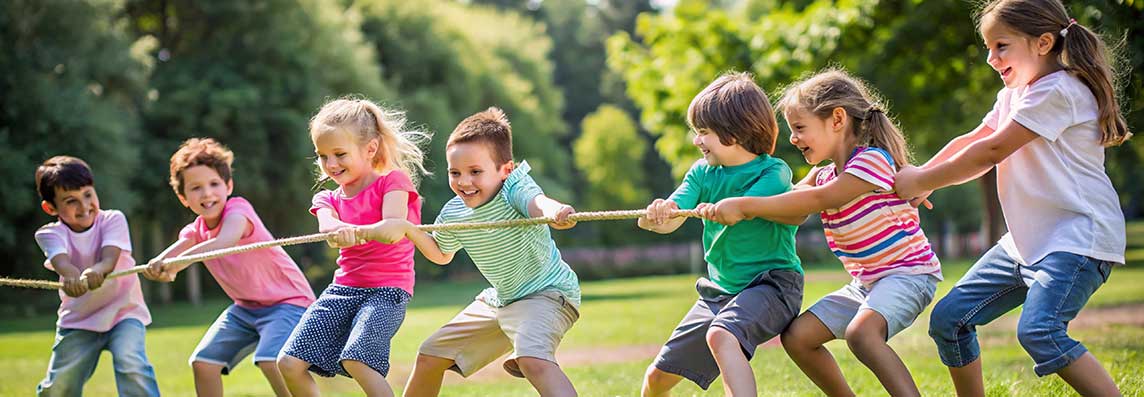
994, 221
164, 289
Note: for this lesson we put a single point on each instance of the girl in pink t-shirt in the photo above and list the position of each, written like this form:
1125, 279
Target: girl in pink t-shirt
347, 331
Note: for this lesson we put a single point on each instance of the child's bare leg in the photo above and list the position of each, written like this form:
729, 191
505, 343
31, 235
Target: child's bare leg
803, 341
270, 371
658, 383
738, 379
208, 379
296, 373
547, 377
967, 380
428, 373
1088, 377
371, 382
866, 336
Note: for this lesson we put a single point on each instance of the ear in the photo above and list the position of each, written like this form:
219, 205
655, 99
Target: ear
506, 169
1044, 43
838, 119
49, 208
183, 200
230, 187
372, 147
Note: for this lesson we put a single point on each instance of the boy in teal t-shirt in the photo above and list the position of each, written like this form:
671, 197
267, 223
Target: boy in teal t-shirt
754, 284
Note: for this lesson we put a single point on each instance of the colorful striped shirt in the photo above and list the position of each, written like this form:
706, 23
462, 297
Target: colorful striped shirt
876, 234
517, 261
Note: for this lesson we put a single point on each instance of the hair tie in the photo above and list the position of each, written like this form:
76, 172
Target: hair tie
1065, 31
873, 109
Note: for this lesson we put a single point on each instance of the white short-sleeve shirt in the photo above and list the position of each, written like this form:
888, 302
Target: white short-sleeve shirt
1054, 190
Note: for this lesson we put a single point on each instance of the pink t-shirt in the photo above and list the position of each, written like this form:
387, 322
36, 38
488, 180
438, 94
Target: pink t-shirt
117, 299
253, 279
373, 264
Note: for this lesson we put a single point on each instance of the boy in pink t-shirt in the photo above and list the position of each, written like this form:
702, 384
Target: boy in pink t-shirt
83, 247
270, 293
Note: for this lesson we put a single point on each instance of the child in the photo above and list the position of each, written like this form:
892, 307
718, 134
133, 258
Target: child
84, 246
1046, 135
754, 284
270, 293
535, 296
347, 331
833, 116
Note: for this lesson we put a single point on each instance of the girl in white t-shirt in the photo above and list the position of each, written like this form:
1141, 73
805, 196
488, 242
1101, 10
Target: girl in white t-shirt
1046, 135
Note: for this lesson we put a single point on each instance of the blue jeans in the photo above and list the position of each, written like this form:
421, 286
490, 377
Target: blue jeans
76, 353
1052, 290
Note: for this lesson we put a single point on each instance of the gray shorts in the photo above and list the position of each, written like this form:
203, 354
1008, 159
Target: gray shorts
899, 298
758, 313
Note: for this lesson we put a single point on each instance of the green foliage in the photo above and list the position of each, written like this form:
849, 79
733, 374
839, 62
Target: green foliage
249, 74
606, 153
67, 86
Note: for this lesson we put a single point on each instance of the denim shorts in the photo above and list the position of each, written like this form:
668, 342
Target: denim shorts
348, 323
240, 331
898, 298
1053, 291
756, 314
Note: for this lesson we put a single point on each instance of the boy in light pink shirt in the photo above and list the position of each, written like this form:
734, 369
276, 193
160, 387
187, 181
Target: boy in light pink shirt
84, 246
270, 293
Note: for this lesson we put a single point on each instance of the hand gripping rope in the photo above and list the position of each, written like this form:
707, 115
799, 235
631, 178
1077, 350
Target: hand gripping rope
312, 238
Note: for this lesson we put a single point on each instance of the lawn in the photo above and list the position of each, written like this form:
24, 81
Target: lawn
622, 324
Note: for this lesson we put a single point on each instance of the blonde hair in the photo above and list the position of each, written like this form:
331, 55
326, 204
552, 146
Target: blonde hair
398, 148
1079, 50
821, 93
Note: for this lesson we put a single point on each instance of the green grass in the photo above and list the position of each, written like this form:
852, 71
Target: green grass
616, 313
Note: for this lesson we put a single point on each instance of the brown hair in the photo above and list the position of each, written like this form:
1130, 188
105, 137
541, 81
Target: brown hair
398, 148
1079, 50
737, 111
491, 128
200, 151
64, 172
830, 89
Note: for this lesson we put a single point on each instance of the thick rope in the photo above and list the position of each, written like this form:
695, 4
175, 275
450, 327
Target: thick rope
311, 238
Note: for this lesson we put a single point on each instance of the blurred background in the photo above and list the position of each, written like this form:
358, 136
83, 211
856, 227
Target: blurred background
596, 90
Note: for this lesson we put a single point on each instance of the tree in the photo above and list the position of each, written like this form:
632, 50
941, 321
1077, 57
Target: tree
608, 150
69, 85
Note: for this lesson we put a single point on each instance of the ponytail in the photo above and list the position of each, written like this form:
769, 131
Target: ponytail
1085, 55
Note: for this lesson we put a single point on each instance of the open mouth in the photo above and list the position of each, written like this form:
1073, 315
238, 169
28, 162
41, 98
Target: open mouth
1007, 72
209, 204
468, 193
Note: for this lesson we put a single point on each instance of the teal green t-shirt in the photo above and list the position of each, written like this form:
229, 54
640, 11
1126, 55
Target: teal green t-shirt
735, 255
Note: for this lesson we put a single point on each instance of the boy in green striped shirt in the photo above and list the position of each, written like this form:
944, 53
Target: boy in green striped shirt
535, 296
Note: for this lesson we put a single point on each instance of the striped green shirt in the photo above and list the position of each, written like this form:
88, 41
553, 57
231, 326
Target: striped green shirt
517, 261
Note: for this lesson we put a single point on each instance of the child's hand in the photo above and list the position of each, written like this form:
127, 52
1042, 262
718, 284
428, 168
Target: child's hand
907, 183
157, 272
726, 211
345, 237
560, 219
74, 287
93, 276
660, 211
388, 231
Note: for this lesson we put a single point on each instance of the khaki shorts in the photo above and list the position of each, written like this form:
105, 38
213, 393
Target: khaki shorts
530, 327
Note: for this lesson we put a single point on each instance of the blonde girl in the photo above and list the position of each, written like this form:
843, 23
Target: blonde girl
834, 117
372, 158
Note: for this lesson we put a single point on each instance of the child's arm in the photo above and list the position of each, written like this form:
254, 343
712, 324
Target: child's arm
155, 272
955, 146
659, 217
73, 286
392, 230
108, 258
545, 206
789, 205
976, 158
233, 227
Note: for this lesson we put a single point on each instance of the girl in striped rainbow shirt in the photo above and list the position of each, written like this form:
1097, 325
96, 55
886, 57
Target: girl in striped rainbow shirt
834, 116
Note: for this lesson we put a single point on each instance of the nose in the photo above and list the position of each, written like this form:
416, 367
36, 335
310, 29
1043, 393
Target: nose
793, 139
992, 59
329, 162
695, 140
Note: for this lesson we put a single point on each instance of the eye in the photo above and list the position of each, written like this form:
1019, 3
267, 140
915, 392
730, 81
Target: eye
477, 172
340, 155
454, 173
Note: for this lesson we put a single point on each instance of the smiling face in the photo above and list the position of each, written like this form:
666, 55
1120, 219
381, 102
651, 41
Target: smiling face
715, 152
473, 175
818, 139
76, 208
205, 193
1017, 57
343, 158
